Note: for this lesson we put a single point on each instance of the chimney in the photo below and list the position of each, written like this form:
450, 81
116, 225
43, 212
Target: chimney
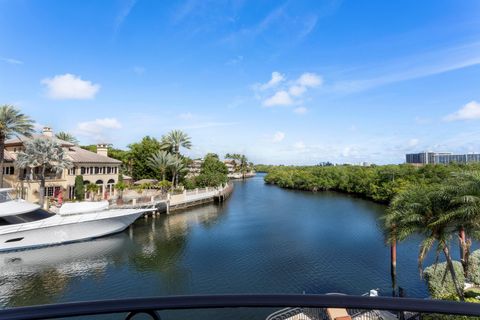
102, 149
47, 132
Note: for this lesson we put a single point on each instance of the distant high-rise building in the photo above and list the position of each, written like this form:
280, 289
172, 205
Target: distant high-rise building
421, 157
441, 158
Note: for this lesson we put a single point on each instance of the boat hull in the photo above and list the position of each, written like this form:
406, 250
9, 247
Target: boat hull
62, 233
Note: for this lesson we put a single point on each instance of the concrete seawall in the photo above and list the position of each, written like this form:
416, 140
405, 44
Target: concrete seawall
180, 201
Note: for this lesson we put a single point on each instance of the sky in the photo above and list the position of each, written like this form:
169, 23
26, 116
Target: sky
283, 82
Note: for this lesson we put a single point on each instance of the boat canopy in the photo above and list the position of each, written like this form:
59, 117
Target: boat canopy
69, 208
15, 207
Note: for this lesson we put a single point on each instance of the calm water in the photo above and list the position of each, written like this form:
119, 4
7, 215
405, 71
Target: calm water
263, 240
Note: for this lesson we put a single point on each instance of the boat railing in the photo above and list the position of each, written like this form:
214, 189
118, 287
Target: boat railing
300, 306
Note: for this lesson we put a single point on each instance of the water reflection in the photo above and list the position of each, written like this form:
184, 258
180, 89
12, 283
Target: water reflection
41, 275
153, 245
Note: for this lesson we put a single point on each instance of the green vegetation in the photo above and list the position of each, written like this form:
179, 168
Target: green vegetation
212, 174
12, 122
65, 136
140, 153
440, 285
241, 163
439, 212
44, 156
79, 188
175, 139
92, 190
378, 183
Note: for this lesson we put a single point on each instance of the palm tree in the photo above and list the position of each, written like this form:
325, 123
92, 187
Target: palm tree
161, 161
465, 214
422, 210
12, 122
174, 140
46, 155
243, 165
92, 189
177, 166
65, 136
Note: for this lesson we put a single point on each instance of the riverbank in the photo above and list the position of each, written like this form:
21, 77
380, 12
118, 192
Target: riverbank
377, 183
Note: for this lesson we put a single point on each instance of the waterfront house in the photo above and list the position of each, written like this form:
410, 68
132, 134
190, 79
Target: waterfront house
95, 168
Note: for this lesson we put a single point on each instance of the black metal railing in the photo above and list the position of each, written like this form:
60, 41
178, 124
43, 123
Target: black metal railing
153, 306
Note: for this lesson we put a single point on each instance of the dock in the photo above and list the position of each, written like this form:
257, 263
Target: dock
170, 202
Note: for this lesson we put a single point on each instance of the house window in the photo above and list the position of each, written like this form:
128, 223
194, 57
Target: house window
82, 170
109, 170
52, 191
8, 170
72, 171
97, 170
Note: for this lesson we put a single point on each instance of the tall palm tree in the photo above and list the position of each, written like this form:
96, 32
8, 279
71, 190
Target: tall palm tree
175, 139
422, 210
177, 166
46, 155
62, 135
161, 161
12, 122
466, 212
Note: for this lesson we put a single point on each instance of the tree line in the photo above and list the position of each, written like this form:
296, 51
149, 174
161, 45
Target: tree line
378, 183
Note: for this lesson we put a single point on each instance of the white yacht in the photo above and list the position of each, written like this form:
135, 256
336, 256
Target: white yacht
25, 225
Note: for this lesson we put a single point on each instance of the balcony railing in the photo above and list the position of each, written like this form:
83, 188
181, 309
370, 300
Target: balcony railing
36, 177
153, 307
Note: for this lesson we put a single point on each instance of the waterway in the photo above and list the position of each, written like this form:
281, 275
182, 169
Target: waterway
264, 239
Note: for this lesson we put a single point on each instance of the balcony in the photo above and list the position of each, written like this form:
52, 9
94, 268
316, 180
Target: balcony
36, 177
297, 307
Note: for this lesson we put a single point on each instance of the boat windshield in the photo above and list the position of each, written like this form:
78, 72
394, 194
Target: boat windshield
4, 197
36, 215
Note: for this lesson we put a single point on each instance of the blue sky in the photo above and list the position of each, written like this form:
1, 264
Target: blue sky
293, 82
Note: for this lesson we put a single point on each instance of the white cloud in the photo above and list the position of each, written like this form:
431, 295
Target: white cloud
279, 92
96, 129
280, 98
69, 86
11, 61
278, 136
310, 80
300, 110
297, 90
470, 111
276, 79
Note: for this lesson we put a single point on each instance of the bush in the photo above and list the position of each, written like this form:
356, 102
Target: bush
79, 188
164, 185
474, 267
440, 285
213, 173
189, 184
472, 293
451, 317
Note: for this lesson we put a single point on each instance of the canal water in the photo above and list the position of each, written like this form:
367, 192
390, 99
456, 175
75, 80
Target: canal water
262, 240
